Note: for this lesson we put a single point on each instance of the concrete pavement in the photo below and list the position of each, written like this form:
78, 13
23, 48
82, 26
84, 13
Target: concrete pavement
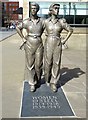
6, 33
73, 79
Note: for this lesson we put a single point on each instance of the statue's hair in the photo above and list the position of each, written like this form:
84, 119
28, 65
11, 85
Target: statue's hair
35, 4
52, 5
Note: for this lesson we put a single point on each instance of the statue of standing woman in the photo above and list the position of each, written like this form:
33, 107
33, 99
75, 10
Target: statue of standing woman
53, 46
33, 45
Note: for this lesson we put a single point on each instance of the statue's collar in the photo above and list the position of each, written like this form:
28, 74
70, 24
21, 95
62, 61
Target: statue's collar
55, 21
37, 20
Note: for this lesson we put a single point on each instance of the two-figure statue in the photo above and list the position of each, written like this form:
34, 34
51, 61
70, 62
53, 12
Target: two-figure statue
52, 49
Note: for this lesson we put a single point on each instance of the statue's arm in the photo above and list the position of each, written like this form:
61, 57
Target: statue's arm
19, 29
69, 30
67, 37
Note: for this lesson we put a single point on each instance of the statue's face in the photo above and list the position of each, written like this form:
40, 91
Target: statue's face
55, 10
34, 10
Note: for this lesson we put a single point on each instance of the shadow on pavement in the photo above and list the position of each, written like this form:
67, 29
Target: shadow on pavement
68, 74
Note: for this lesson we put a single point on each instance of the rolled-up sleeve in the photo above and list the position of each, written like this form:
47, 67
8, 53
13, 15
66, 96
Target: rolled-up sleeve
22, 24
66, 26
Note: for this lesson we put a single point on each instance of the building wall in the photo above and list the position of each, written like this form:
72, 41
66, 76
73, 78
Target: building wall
0, 14
7, 12
10, 7
25, 9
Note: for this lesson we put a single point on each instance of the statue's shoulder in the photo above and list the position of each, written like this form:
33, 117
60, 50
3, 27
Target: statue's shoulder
62, 20
26, 20
47, 20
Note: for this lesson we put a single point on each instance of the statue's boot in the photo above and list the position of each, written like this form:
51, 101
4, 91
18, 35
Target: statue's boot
32, 88
53, 87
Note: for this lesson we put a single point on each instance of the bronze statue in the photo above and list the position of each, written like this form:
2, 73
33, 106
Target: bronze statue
53, 46
33, 45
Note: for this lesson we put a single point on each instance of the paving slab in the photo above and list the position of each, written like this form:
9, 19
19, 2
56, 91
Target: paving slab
5, 34
43, 102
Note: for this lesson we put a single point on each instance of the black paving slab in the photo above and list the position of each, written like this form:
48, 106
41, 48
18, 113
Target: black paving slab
43, 102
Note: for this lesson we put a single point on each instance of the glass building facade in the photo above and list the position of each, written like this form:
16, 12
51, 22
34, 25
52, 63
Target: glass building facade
74, 12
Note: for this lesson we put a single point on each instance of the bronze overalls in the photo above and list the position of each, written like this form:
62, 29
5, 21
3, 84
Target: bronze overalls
53, 49
33, 48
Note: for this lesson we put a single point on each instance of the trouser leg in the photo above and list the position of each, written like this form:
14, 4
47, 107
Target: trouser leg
39, 62
56, 64
30, 57
47, 63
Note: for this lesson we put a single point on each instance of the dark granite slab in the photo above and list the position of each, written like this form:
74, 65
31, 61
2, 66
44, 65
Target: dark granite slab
43, 102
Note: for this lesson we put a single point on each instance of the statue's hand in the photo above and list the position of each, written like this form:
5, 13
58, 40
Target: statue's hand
64, 46
63, 42
22, 44
24, 40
